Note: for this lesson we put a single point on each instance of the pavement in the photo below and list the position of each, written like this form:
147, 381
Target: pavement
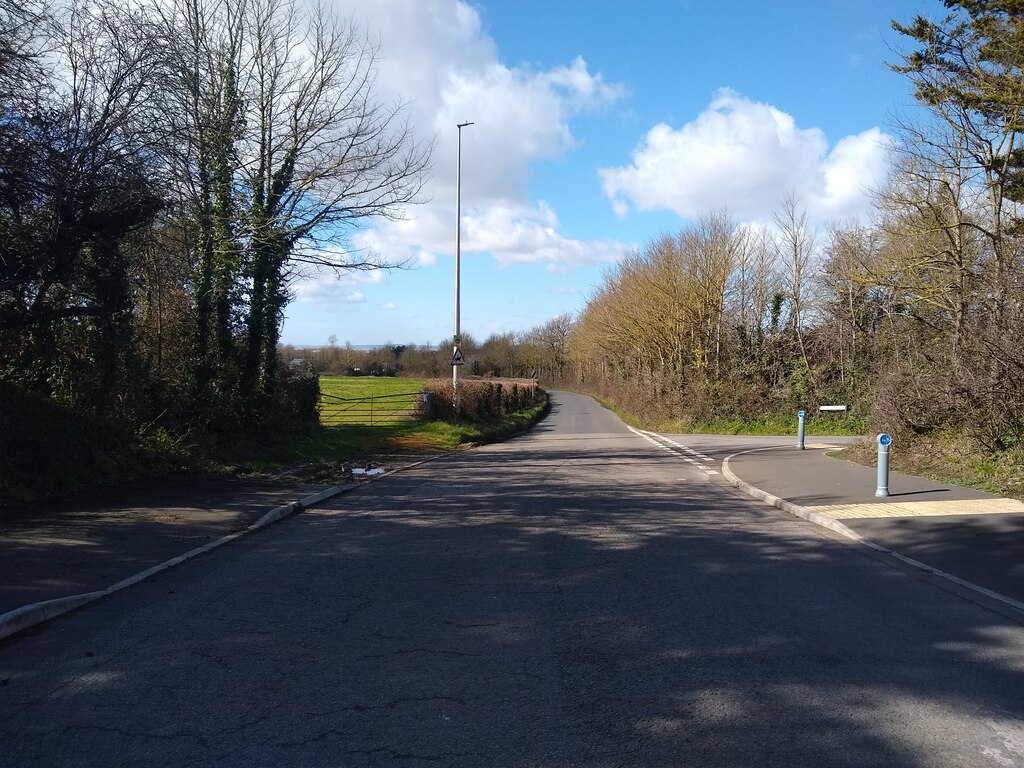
57, 557
972, 538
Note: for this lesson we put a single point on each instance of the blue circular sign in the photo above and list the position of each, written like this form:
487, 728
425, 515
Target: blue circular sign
884, 439
800, 414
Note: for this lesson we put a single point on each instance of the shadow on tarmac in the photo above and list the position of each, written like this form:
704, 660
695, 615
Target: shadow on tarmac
564, 607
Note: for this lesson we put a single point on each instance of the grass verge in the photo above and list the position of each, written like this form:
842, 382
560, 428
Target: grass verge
771, 425
82, 455
320, 454
815, 424
949, 457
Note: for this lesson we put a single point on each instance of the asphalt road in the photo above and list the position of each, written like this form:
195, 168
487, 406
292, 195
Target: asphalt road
575, 597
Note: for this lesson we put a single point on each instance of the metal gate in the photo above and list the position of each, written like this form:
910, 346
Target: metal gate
372, 410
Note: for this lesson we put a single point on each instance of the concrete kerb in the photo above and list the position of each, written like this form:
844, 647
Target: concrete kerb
786, 506
27, 616
30, 615
1005, 606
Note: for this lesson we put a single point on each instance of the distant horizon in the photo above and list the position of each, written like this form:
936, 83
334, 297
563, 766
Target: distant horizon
363, 347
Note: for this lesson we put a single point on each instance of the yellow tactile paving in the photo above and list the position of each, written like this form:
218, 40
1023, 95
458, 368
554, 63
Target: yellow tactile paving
922, 508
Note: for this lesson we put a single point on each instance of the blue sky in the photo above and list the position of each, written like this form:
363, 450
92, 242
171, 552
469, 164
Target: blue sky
599, 126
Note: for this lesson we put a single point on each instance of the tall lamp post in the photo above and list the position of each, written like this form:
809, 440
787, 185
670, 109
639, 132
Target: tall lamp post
457, 359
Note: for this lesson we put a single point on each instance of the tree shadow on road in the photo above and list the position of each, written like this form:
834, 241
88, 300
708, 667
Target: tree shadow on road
576, 608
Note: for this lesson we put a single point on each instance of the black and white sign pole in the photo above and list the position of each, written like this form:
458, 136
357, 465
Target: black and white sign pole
456, 352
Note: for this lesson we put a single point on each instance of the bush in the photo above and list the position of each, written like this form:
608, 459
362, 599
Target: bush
45, 446
300, 393
480, 400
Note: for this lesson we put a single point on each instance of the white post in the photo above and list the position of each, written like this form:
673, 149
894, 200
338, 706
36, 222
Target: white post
458, 263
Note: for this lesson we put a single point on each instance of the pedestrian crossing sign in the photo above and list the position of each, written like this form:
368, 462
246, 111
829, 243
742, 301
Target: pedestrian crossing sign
457, 358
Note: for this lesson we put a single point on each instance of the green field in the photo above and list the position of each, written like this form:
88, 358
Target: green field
366, 386
344, 439
369, 400
321, 453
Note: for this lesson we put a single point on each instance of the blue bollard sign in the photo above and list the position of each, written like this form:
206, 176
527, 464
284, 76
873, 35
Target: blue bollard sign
882, 484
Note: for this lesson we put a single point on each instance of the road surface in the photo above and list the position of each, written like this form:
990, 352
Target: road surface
574, 597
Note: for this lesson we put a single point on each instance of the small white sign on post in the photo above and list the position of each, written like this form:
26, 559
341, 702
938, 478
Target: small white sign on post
840, 408
457, 358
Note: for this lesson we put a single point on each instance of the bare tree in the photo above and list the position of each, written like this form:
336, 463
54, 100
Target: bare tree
282, 150
76, 183
323, 157
797, 246
967, 170
552, 342
23, 41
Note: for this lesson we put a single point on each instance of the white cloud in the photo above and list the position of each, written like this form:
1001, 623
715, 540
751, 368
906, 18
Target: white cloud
409, 242
529, 235
327, 293
856, 164
324, 286
519, 117
389, 306
436, 57
511, 233
746, 157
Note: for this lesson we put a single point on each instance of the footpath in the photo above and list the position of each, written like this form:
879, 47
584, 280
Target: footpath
958, 534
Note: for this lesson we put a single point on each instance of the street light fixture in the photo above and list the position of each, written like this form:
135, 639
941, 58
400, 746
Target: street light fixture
457, 359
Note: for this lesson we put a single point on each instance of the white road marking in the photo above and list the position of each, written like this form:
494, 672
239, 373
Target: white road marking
680, 451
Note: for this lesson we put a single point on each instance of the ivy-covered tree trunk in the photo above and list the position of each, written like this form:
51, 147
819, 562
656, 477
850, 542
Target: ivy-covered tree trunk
227, 251
269, 253
114, 346
202, 361
216, 366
